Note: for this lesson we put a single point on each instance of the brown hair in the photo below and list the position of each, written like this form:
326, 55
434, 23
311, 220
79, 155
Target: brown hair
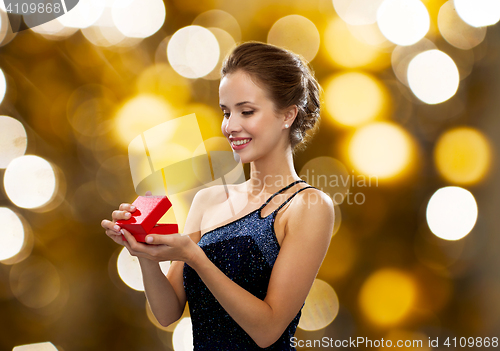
288, 79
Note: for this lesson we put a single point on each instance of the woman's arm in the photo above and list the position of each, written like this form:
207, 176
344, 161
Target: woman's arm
165, 294
308, 234
160, 290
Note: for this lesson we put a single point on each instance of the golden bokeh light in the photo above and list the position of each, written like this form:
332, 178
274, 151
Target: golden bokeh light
84, 14
355, 98
402, 56
208, 118
403, 22
296, 33
329, 175
13, 140
161, 80
30, 181
11, 235
371, 35
35, 282
182, 338
388, 296
340, 258
92, 113
42, 346
433, 76
130, 272
89, 110
219, 19
357, 12
122, 95
174, 141
381, 149
435, 253
478, 13
16, 228
346, 51
3, 86
321, 307
451, 213
140, 114
140, 18
463, 155
226, 44
104, 32
53, 30
455, 31
193, 51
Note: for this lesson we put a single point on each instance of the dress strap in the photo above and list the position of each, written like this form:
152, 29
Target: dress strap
290, 197
280, 191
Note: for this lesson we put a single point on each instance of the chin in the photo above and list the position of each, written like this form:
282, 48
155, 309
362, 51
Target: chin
242, 159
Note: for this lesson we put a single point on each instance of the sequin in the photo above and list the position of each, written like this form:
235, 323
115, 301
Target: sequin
245, 250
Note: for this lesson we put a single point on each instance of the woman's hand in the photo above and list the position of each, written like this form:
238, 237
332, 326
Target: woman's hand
163, 247
123, 213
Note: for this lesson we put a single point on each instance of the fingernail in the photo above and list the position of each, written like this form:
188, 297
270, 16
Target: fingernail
117, 227
132, 207
121, 231
127, 214
149, 239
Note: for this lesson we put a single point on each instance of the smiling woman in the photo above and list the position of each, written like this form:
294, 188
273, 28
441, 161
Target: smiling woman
246, 278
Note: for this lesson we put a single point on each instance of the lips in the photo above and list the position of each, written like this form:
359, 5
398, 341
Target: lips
240, 143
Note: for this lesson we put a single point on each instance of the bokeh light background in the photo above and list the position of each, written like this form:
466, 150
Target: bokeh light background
407, 148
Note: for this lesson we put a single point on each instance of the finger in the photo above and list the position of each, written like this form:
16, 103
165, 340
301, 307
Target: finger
134, 244
108, 225
119, 215
127, 207
159, 239
137, 249
130, 238
117, 238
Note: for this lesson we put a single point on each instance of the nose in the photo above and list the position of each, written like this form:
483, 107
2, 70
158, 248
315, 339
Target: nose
231, 125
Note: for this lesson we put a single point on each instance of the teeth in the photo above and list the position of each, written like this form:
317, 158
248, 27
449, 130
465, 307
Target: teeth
241, 142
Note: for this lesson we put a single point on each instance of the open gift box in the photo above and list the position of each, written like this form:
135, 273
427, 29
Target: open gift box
143, 221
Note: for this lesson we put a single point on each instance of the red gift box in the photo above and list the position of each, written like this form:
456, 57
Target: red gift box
143, 221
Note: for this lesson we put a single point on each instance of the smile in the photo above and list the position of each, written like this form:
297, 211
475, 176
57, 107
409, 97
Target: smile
240, 144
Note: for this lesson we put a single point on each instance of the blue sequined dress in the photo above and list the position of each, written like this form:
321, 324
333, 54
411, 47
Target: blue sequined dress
245, 250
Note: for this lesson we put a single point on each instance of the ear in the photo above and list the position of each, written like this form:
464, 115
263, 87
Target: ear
290, 114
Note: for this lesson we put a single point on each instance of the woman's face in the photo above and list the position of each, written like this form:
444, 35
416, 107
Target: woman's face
249, 117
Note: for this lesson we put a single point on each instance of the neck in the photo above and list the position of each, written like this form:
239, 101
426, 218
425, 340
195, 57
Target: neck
271, 173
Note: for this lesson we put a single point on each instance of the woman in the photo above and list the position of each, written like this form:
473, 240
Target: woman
246, 279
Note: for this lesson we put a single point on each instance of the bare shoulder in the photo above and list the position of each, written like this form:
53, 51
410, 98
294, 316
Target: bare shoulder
313, 207
313, 198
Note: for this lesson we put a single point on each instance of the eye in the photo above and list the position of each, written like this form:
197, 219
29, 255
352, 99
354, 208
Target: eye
247, 113
226, 114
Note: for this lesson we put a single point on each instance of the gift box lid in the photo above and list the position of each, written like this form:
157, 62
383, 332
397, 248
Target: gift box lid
149, 210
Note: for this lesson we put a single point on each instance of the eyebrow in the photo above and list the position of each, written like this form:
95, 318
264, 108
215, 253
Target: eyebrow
238, 104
